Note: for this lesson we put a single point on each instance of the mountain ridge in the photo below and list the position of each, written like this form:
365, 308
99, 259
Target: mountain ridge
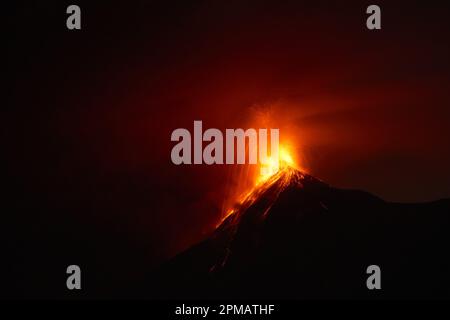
295, 236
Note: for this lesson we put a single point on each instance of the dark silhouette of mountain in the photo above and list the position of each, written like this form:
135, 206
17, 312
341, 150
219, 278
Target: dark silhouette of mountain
297, 237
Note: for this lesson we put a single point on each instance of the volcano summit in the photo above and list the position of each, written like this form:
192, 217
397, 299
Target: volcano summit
296, 237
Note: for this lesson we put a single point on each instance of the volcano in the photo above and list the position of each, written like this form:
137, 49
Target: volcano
296, 237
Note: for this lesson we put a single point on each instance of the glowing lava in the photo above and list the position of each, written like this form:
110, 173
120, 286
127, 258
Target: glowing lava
272, 166
276, 175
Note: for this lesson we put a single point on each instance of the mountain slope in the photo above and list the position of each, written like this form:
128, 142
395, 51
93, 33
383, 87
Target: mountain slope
297, 237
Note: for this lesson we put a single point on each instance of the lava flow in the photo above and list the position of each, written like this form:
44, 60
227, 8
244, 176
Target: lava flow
277, 175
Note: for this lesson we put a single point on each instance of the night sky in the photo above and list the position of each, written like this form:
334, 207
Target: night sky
89, 113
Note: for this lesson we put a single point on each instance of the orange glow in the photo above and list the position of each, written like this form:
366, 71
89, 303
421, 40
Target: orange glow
245, 181
274, 171
277, 182
272, 166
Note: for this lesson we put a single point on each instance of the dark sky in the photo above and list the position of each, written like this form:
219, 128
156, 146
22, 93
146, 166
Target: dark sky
86, 134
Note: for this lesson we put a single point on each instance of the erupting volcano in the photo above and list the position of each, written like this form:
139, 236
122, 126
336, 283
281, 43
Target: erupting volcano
275, 171
294, 236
